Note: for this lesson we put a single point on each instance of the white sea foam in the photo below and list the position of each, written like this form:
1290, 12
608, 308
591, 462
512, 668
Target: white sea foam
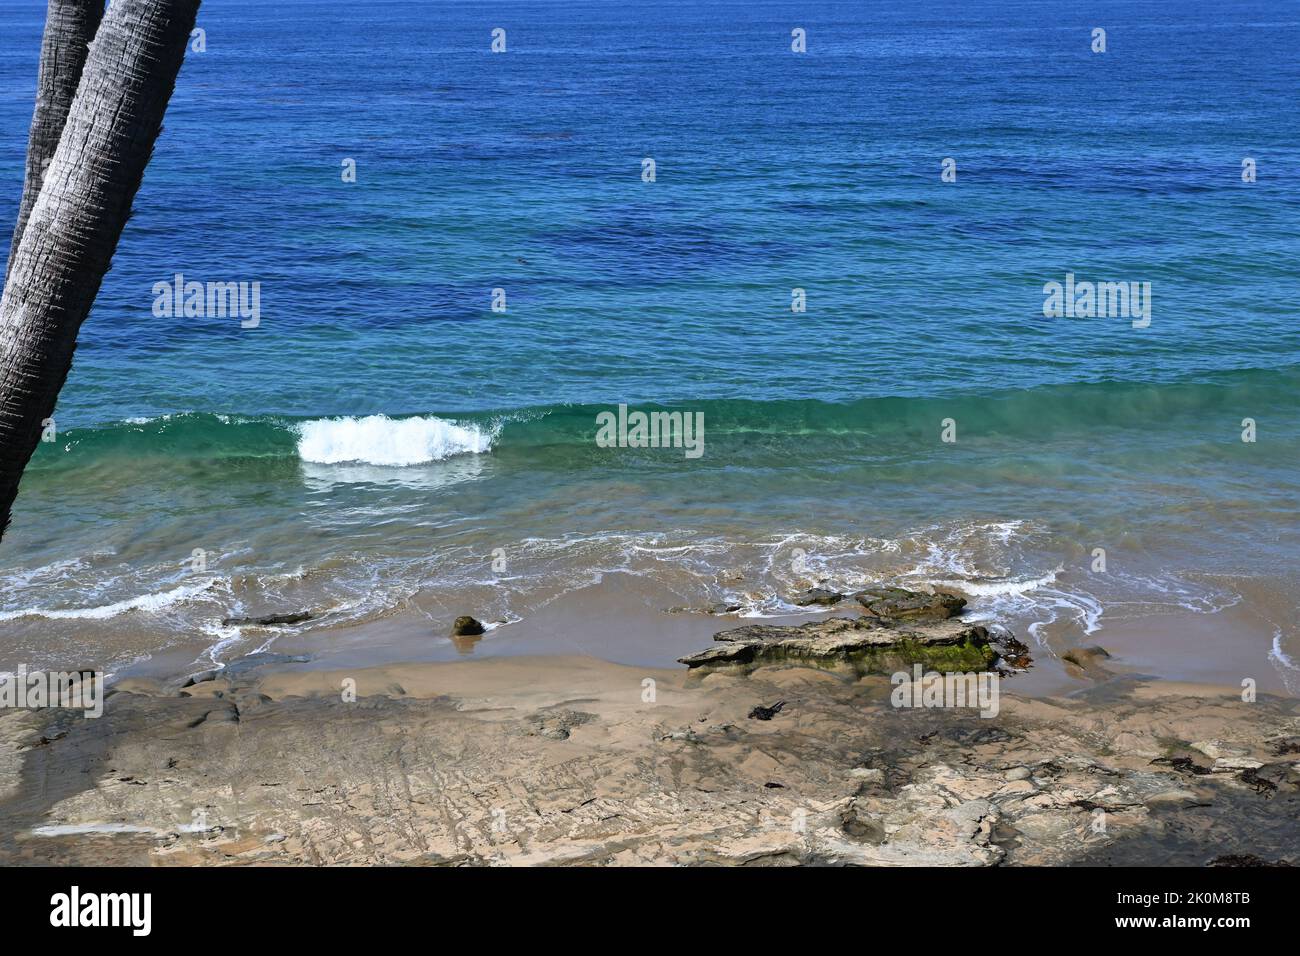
1285, 665
1078, 607
1000, 588
1278, 654
380, 440
145, 602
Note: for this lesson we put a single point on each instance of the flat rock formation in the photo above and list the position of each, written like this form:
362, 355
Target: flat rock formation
564, 761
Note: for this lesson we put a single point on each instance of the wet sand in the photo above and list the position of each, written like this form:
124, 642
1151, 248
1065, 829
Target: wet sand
631, 620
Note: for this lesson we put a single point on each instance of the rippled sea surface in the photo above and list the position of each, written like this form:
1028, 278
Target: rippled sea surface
464, 471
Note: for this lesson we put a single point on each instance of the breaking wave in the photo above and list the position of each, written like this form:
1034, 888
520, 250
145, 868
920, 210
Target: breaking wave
380, 440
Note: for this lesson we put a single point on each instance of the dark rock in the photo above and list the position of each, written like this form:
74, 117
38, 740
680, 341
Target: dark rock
466, 626
722, 607
766, 713
267, 620
821, 596
1268, 778
1184, 765
904, 605
1286, 745
1013, 654
1244, 859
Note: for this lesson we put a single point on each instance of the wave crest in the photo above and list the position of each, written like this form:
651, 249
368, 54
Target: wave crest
380, 440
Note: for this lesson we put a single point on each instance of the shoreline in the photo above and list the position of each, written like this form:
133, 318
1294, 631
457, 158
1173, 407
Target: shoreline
630, 620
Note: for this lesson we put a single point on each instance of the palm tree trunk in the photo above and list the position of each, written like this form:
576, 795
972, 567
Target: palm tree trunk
78, 217
70, 25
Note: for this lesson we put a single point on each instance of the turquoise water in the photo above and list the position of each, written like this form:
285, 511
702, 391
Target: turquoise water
484, 490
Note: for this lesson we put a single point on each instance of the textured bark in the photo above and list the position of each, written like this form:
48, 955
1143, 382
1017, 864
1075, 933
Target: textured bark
78, 217
70, 25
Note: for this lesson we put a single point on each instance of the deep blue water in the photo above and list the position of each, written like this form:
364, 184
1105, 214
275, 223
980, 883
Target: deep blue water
774, 171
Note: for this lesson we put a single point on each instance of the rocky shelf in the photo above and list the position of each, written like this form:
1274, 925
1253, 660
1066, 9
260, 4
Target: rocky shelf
900, 628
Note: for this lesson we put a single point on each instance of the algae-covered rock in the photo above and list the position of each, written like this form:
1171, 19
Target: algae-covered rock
860, 645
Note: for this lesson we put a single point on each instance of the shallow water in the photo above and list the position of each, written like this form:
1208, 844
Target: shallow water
483, 490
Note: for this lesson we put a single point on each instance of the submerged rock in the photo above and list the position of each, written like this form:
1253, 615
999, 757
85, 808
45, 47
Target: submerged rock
1088, 660
466, 626
822, 596
904, 605
241, 666
862, 645
295, 617
718, 608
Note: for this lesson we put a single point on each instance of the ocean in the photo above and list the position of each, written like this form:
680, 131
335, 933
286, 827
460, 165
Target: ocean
883, 396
